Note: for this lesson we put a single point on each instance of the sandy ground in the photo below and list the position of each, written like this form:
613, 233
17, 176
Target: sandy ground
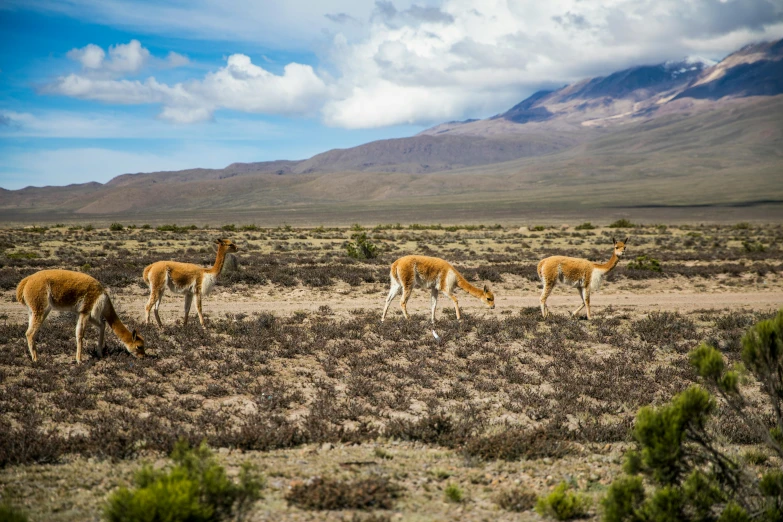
342, 299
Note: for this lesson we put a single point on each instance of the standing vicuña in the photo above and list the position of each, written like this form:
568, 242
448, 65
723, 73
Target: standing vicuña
68, 291
435, 274
184, 278
582, 274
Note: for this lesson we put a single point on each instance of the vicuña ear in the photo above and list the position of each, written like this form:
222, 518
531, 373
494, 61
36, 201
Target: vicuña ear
614, 241
486, 289
134, 336
218, 241
626, 239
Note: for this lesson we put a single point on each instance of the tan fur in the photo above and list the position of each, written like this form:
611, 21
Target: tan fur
433, 273
65, 290
184, 278
582, 274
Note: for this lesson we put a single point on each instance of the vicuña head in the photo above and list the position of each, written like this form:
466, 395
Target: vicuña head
582, 274
64, 290
184, 278
433, 273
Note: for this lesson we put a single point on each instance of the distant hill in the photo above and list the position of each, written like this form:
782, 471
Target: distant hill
685, 133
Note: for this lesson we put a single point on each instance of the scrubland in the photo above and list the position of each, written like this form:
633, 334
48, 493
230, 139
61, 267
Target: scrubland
351, 419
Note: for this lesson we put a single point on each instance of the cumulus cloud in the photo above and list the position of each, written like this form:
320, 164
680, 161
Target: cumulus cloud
240, 85
423, 64
399, 61
129, 58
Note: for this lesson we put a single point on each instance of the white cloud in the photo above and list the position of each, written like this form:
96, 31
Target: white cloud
90, 56
129, 58
406, 62
240, 85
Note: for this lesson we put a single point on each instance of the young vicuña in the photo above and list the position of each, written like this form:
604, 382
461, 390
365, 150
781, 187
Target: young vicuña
184, 278
433, 273
582, 274
64, 290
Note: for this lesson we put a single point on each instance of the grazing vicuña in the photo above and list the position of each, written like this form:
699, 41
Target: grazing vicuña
64, 290
184, 278
582, 274
435, 274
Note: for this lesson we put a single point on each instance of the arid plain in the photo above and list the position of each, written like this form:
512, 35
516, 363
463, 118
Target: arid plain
296, 374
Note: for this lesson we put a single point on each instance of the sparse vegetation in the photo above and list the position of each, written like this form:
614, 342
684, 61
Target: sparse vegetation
563, 504
584, 226
195, 489
622, 223
325, 392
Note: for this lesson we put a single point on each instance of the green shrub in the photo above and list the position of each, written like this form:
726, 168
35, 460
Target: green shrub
755, 246
691, 478
195, 489
22, 255
516, 499
645, 263
743, 225
584, 226
116, 227
229, 228
9, 513
250, 228
536, 228
563, 504
361, 247
175, 228
454, 493
622, 223
89, 228
145, 227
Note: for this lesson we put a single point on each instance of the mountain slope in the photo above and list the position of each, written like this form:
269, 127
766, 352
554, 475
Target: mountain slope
678, 133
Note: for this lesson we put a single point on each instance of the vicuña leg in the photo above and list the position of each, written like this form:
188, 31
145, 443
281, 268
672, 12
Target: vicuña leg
406, 293
156, 296
434, 300
456, 306
36, 320
587, 301
188, 301
393, 292
582, 295
198, 309
81, 326
101, 331
544, 296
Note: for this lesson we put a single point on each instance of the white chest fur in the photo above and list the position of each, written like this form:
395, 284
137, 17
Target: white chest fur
207, 282
596, 279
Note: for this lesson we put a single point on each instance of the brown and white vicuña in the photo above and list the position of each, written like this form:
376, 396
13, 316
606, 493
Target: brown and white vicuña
64, 290
433, 273
184, 278
582, 274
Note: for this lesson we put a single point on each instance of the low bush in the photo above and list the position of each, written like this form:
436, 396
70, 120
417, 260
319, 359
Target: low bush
195, 489
9, 513
516, 499
585, 226
329, 494
645, 263
116, 227
454, 493
361, 247
562, 504
622, 223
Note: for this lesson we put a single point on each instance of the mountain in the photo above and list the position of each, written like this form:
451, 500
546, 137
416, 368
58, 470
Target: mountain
683, 133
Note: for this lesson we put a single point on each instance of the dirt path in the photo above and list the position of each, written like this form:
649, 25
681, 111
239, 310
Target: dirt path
342, 300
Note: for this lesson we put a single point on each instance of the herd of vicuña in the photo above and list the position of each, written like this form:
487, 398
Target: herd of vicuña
65, 290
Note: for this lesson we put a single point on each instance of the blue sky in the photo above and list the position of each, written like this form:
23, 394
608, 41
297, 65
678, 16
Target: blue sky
90, 89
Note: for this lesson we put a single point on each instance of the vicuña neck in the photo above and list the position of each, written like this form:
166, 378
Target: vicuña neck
116, 325
219, 260
469, 288
609, 264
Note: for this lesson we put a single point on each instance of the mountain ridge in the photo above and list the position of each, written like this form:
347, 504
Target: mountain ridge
698, 104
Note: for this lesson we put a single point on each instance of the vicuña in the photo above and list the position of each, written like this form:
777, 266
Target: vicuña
64, 290
184, 278
433, 273
582, 274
